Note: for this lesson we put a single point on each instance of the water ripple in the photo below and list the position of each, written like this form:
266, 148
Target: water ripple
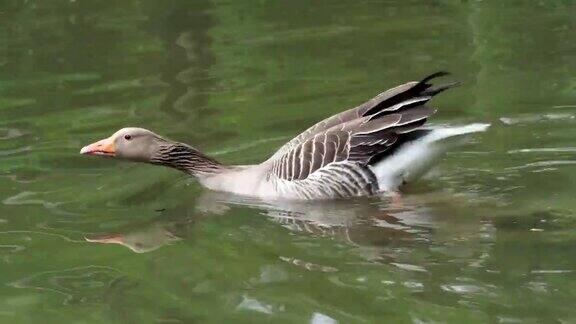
545, 150
83, 284
16, 178
12, 248
15, 151
253, 304
538, 164
409, 267
25, 198
9, 133
308, 265
536, 118
319, 318
551, 271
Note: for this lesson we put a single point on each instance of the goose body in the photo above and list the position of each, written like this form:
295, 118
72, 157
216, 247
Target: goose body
367, 150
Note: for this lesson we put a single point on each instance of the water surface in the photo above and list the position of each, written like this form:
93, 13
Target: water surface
489, 236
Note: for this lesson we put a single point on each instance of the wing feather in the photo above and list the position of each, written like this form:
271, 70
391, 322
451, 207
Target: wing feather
361, 135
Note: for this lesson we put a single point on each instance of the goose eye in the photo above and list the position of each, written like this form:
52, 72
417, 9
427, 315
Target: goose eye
127, 137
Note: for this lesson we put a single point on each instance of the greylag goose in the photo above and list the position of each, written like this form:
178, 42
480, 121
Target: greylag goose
368, 150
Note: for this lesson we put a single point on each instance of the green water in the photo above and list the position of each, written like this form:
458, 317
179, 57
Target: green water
490, 236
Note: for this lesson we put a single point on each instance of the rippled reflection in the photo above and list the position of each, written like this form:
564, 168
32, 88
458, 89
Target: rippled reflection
382, 230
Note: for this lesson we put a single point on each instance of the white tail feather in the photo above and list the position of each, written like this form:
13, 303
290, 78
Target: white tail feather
414, 159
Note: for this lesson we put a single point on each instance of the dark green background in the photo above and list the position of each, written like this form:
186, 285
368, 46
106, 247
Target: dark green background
488, 237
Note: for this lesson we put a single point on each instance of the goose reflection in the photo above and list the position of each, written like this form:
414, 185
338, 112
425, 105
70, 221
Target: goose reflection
140, 239
374, 225
358, 221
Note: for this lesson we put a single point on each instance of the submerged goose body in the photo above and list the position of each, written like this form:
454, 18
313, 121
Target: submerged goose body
367, 150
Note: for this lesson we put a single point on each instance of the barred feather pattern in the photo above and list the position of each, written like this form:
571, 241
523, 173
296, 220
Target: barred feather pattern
392, 100
186, 159
336, 180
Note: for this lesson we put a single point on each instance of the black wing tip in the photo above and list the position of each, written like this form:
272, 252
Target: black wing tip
432, 90
415, 89
434, 76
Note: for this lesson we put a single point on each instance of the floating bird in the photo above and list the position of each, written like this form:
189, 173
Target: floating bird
372, 149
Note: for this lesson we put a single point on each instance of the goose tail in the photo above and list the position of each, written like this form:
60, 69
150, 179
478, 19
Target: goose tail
415, 158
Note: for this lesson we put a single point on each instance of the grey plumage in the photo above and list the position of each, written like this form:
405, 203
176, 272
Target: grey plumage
332, 157
363, 151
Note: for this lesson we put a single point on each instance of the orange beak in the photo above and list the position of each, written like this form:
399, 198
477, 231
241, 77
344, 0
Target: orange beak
104, 147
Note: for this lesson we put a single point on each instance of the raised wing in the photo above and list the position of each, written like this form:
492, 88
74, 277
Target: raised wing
358, 141
404, 96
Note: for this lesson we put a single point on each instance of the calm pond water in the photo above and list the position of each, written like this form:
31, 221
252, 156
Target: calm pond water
489, 236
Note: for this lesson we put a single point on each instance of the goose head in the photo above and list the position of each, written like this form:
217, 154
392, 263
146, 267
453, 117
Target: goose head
130, 143
141, 145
